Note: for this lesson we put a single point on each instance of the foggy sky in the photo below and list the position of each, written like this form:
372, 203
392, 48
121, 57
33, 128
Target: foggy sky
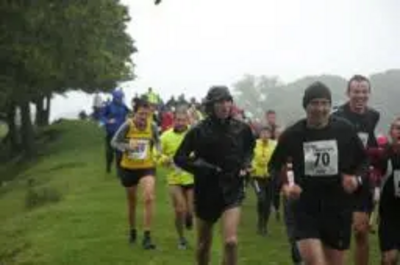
192, 44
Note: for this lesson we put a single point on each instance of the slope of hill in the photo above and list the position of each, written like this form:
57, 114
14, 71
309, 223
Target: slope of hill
63, 209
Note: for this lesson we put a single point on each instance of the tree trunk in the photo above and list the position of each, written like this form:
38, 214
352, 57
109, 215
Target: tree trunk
46, 116
39, 111
27, 133
42, 111
12, 135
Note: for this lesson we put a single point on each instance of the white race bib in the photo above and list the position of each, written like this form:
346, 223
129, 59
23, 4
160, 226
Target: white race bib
364, 138
140, 149
396, 180
321, 158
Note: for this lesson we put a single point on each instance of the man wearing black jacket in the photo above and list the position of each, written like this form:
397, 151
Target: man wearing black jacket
218, 151
365, 120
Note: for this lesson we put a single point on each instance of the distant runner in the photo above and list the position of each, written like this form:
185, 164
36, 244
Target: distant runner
181, 183
136, 139
113, 116
261, 180
389, 210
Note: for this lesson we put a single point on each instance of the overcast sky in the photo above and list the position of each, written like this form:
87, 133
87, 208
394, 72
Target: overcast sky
192, 44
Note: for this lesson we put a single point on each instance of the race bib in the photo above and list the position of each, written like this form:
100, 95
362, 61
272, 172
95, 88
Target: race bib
396, 179
139, 149
321, 158
364, 138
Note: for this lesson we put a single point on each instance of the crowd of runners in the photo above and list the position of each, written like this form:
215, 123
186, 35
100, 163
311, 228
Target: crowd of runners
338, 178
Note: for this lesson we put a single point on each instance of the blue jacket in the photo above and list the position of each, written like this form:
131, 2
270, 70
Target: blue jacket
114, 110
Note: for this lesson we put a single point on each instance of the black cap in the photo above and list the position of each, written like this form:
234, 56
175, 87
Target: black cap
316, 90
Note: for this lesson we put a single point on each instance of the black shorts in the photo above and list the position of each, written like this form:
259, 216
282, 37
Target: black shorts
187, 186
389, 233
333, 228
131, 177
211, 202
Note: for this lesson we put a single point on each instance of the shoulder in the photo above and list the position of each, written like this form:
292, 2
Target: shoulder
167, 133
342, 125
373, 113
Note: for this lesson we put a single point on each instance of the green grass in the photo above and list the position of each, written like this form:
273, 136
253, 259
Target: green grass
88, 224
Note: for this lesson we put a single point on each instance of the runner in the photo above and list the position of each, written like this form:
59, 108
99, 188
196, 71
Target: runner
365, 120
389, 206
325, 154
136, 139
179, 181
270, 119
218, 151
113, 116
261, 180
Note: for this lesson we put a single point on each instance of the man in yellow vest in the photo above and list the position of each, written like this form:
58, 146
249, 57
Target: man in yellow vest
180, 182
262, 183
136, 139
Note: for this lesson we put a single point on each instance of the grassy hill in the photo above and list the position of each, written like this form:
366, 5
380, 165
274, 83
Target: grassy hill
64, 209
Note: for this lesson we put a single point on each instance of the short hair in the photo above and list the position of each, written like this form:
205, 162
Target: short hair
358, 78
270, 111
140, 103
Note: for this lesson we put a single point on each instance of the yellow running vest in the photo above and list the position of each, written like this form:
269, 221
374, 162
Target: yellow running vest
141, 156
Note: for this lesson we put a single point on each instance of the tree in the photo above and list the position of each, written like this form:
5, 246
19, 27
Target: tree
50, 46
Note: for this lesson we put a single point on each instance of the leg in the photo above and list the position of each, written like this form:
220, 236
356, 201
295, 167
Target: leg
147, 183
277, 202
230, 222
118, 158
312, 251
131, 196
289, 223
259, 189
109, 153
390, 257
178, 200
361, 232
335, 256
189, 195
269, 195
204, 241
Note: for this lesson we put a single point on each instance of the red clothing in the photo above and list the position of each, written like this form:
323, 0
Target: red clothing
167, 121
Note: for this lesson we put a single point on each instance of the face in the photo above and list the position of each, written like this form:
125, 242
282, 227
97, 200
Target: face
318, 111
223, 108
181, 121
141, 116
395, 132
265, 135
271, 118
358, 94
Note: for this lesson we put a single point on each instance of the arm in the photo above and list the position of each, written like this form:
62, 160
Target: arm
356, 162
182, 156
278, 162
164, 157
249, 151
156, 138
119, 141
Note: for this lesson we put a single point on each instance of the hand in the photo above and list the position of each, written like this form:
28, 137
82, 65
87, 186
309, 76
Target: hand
168, 162
243, 172
349, 183
292, 192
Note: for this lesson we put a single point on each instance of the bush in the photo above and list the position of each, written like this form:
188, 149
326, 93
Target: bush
39, 196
